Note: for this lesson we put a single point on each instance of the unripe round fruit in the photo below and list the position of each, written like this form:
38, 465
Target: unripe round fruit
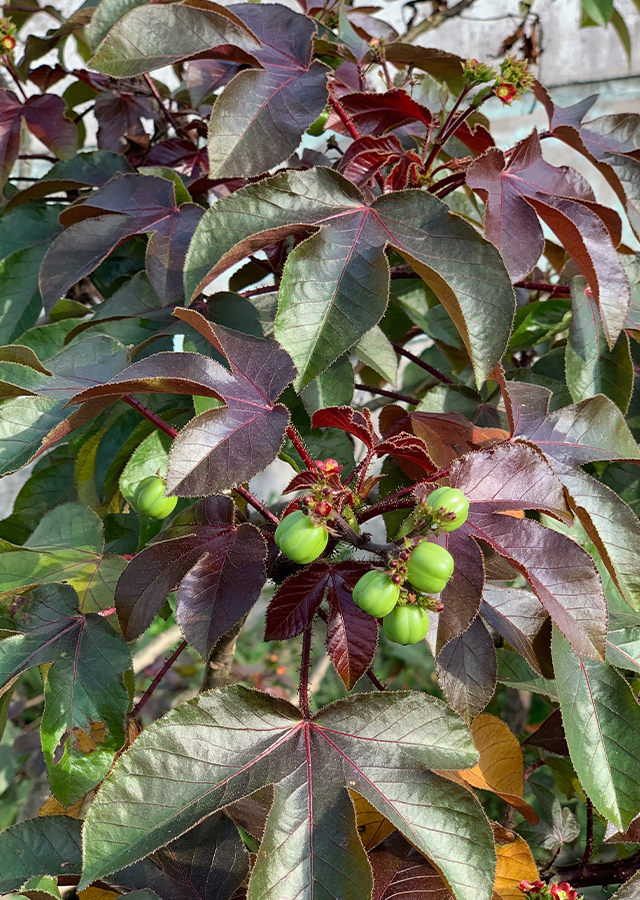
149, 498
376, 593
450, 506
429, 568
300, 538
406, 624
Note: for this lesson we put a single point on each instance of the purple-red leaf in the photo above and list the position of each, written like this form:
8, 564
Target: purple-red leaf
515, 477
373, 114
179, 154
222, 447
517, 615
44, 117
401, 873
466, 668
126, 205
518, 190
584, 432
220, 566
352, 635
259, 119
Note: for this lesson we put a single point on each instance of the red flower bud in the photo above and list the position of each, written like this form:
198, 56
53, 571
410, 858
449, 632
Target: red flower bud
8, 42
397, 579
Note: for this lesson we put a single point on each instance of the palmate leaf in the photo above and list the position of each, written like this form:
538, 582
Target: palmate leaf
84, 686
226, 744
259, 119
225, 446
127, 205
401, 873
352, 635
335, 285
525, 187
589, 431
220, 568
511, 477
601, 720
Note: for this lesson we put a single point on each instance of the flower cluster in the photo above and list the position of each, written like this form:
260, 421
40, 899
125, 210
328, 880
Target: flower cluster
515, 78
7, 35
538, 890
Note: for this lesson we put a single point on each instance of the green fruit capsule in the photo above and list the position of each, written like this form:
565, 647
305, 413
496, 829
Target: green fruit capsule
149, 498
316, 128
376, 593
429, 568
449, 506
406, 624
300, 538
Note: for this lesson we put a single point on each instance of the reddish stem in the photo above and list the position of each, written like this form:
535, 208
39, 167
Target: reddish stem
303, 689
393, 395
253, 501
421, 363
171, 119
150, 415
383, 507
448, 185
142, 702
563, 290
345, 118
298, 443
12, 71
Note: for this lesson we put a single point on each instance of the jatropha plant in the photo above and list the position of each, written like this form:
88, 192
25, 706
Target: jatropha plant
437, 339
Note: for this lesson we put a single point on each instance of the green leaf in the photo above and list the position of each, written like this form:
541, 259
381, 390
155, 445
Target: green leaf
150, 37
20, 301
620, 28
610, 524
599, 11
335, 285
591, 367
85, 695
334, 387
47, 845
197, 759
66, 546
539, 321
41, 885
601, 719
515, 672
105, 16
374, 349
25, 422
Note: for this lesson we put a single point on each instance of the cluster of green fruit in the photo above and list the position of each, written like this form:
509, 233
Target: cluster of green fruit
426, 566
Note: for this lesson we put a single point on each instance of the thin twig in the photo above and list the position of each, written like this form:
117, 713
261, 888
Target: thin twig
447, 185
588, 847
166, 112
384, 507
253, 501
560, 290
6, 59
393, 395
421, 363
142, 702
150, 415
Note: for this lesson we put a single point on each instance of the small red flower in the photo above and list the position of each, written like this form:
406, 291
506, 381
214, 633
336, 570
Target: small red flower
505, 91
525, 886
323, 508
8, 42
329, 466
563, 891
